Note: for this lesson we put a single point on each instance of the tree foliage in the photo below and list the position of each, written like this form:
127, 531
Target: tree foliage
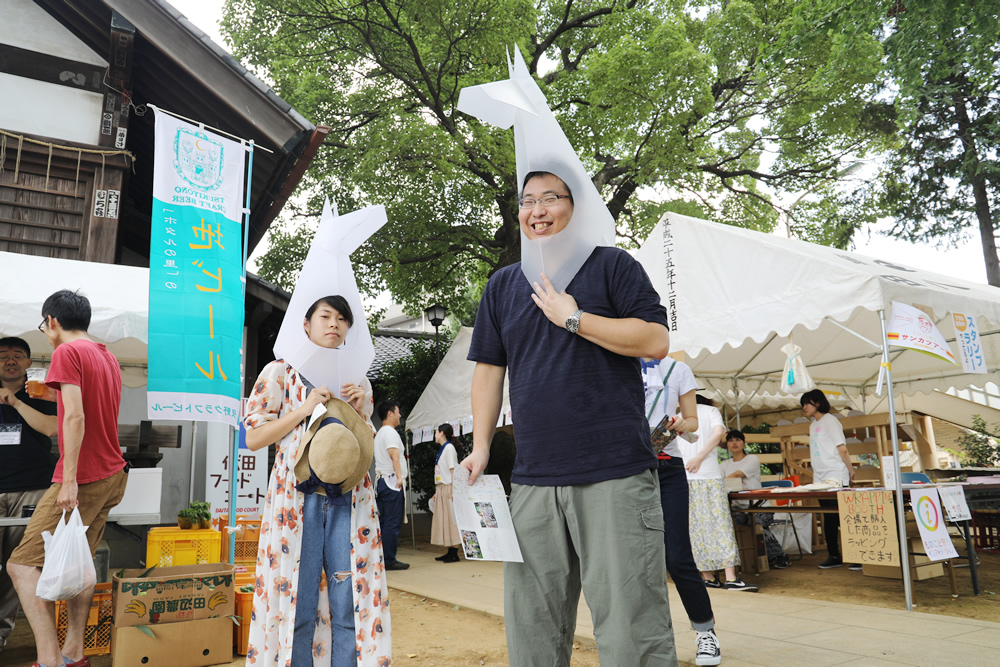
981, 446
694, 105
942, 179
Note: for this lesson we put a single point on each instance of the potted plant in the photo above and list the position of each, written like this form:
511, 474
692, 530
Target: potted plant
204, 514
187, 518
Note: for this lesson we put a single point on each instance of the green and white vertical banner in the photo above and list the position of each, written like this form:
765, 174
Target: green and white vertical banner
196, 274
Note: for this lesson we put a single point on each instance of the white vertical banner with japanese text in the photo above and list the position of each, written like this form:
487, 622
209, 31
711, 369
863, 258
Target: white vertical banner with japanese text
251, 475
195, 274
970, 347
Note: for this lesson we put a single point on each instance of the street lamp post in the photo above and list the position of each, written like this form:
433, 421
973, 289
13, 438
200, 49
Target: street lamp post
436, 314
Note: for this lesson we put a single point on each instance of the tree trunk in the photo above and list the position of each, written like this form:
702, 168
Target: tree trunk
979, 190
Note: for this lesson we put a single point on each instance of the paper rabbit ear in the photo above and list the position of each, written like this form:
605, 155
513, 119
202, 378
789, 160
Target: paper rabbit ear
345, 234
541, 145
327, 271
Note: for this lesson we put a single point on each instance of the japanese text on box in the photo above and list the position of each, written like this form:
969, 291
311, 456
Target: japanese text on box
868, 526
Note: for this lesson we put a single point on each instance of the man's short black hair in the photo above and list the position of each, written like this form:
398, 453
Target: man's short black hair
817, 398
384, 408
536, 174
72, 309
737, 434
14, 341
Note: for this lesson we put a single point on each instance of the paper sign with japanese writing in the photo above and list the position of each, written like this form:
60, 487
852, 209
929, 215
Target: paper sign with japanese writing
930, 522
970, 347
911, 328
195, 274
251, 475
868, 527
889, 472
955, 506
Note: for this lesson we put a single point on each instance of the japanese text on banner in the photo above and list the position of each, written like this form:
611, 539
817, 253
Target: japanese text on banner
196, 291
970, 347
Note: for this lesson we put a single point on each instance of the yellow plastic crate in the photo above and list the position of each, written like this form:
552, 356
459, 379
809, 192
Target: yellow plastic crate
97, 638
167, 547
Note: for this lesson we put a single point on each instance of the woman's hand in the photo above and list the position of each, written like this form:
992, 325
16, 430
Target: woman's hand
354, 395
694, 464
317, 396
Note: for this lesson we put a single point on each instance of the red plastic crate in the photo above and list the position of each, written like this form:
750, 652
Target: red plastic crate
986, 530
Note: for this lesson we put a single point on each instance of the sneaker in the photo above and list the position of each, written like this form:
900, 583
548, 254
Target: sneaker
831, 562
740, 585
857, 567
82, 662
449, 559
780, 563
713, 583
709, 651
397, 565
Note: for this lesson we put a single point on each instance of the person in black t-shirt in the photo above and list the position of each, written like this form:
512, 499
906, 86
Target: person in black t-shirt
585, 500
26, 460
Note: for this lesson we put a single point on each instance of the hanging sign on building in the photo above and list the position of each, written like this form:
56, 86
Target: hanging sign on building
196, 292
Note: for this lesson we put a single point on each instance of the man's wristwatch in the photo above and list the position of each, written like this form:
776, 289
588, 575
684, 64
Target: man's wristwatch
573, 321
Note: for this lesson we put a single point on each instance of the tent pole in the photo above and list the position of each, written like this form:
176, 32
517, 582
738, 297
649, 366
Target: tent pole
904, 555
409, 491
736, 399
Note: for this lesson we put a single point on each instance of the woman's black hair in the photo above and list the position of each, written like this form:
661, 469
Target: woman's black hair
536, 174
449, 432
703, 400
338, 303
817, 398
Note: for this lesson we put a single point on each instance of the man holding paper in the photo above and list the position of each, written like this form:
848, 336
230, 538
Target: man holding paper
584, 499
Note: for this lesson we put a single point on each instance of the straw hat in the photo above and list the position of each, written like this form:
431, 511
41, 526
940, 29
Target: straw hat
338, 447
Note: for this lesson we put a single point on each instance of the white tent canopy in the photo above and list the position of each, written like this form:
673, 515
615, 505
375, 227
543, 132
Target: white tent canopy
447, 398
119, 300
735, 296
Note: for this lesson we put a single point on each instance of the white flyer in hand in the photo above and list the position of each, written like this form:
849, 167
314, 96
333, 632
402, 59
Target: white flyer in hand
484, 519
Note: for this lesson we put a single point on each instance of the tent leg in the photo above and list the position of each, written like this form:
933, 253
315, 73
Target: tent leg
904, 555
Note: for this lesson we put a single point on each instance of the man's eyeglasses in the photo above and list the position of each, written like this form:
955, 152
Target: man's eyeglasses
547, 200
41, 327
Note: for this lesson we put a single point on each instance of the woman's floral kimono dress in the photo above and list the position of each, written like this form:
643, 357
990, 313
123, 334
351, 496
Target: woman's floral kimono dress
278, 390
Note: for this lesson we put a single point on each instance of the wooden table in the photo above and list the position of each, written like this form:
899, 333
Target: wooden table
977, 496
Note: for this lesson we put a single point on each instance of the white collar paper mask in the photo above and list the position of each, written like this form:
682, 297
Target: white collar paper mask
327, 271
540, 145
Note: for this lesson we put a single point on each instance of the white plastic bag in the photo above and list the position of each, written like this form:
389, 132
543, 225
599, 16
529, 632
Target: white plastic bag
795, 378
786, 536
69, 567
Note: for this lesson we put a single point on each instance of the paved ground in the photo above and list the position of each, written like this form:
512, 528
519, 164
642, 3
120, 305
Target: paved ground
754, 628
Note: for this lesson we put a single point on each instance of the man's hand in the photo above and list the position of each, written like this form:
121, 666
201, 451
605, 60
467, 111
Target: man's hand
67, 496
475, 463
557, 306
7, 397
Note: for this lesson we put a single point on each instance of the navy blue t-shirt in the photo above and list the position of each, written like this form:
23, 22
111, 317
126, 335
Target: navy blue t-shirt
577, 408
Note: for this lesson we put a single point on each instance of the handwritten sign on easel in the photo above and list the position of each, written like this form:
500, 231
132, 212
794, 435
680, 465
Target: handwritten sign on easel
868, 527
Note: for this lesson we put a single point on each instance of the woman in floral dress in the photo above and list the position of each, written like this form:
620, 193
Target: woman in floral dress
295, 525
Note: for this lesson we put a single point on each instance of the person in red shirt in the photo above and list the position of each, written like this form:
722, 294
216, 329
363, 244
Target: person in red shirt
85, 381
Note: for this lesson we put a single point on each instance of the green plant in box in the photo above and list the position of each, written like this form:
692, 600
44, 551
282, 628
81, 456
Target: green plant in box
203, 512
187, 518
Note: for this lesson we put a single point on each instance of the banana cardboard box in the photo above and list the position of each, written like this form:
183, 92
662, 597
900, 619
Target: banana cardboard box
173, 594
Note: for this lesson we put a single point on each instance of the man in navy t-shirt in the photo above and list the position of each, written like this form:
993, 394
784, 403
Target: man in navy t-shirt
585, 500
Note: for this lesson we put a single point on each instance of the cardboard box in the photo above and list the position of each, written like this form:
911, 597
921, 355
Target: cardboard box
173, 594
919, 573
187, 644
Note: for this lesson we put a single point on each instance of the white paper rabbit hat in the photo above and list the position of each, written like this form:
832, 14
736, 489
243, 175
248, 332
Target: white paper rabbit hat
540, 145
327, 271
